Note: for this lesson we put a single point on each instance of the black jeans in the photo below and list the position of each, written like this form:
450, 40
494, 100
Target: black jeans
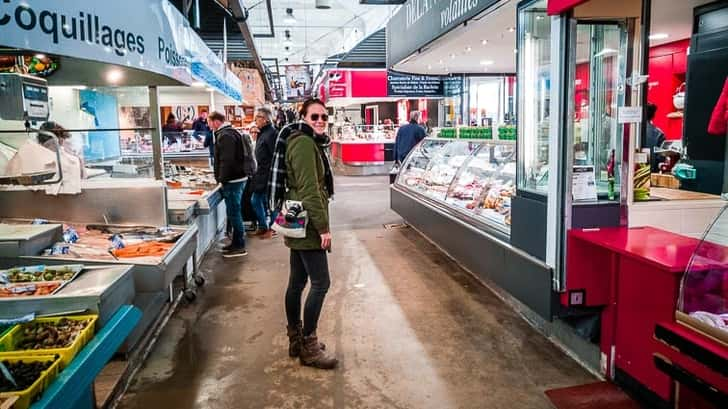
307, 264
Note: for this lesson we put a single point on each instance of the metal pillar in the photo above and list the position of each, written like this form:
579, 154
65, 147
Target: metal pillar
154, 115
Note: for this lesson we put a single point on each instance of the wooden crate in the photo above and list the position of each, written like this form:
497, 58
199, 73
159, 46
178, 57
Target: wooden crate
663, 180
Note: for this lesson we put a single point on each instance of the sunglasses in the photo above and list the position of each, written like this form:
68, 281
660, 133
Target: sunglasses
315, 117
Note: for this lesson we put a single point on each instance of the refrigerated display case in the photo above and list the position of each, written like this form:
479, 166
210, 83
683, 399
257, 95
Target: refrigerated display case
703, 303
474, 178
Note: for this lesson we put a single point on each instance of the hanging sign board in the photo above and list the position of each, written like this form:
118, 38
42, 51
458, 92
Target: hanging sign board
629, 115
583, 186
419, 22
157, 39
413, 86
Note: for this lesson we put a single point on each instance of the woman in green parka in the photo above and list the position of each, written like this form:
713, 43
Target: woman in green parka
310, 181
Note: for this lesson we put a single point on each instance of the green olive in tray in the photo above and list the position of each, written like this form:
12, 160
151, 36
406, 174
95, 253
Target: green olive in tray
50, 274
50, 335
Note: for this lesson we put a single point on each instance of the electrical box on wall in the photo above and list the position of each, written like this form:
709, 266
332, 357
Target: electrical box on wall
23, 97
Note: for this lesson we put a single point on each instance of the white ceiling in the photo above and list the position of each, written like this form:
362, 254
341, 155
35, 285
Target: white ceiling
492, 26
673, 17
317, 34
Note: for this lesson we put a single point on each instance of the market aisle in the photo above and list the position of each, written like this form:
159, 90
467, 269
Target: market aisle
412, 330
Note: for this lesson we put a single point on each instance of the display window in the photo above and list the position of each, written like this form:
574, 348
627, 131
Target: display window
599, 90
474, 178
534, 72
491, 104
486, 182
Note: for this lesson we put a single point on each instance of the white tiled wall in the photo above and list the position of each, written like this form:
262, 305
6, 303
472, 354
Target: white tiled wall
686, 217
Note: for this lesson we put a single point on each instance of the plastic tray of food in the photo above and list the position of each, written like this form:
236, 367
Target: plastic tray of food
32, 373
30, 274
30, 289
63, 336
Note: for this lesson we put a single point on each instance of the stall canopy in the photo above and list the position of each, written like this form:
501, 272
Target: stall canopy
157, 42
417, 23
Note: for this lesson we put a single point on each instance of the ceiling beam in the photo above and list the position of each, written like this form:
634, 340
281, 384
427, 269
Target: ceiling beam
240, 18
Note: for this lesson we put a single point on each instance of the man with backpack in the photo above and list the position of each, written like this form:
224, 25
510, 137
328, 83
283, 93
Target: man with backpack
234, 164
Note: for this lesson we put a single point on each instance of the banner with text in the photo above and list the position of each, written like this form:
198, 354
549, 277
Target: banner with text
414, 86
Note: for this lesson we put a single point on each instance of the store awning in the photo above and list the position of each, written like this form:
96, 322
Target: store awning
157, 42
556, 7
369, 53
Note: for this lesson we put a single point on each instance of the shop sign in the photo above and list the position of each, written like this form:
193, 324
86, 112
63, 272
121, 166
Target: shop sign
629, 115
583, 185
418, 22
556, 7
413, 86
298, 82
156, 39
453, 86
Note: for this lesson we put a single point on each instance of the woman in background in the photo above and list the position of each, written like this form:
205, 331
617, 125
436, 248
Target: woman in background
61, 141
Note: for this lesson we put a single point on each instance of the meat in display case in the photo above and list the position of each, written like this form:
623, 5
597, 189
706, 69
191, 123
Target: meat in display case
474, 178
703, 303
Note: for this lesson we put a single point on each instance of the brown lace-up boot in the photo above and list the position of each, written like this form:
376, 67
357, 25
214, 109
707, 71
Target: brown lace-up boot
295, 340
313, 355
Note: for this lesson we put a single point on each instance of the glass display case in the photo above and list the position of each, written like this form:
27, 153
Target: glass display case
474, 178
534, 45
703, 302
348, 132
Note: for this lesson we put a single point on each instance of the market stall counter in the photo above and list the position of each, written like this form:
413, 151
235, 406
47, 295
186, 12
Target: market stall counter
634, 275
363, 150
97, 289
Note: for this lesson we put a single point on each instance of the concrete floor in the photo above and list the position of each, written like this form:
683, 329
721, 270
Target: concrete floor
412, 330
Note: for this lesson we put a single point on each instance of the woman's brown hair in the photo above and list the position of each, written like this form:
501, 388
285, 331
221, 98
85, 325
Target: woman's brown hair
308, 103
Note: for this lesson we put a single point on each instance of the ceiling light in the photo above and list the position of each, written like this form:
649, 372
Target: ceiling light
198, 84
210, 89
289, 19
40, 56
484, 42
659, 36
114, 76
323, 4
287, 42
511, 29
468, 49
429, 67
452, 56
441, 62
539, 17
487, 62
515, 51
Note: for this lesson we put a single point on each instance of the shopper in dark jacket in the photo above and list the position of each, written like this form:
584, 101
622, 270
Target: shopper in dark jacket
264, 149
408, 137
309, 180
234, 163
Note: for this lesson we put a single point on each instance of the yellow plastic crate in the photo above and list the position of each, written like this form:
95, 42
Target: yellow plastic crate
9, 342
29, 395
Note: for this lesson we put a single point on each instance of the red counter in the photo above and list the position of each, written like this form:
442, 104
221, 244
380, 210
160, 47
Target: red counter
354, 153
697, 363
635, 275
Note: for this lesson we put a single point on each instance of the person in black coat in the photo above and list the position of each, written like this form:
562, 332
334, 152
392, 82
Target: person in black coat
264, 149
408, 137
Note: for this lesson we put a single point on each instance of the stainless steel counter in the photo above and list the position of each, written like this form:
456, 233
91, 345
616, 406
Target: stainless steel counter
100, 289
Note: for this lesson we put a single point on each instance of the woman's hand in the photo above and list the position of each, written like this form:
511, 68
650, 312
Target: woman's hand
326, 241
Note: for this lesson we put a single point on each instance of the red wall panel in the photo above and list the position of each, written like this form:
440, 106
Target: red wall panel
667, 67
369, 84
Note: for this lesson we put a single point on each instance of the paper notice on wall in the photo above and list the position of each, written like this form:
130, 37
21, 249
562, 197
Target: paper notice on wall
629, 115
583, 185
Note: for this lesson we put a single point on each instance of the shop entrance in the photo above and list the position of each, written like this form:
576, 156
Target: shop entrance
598, 71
